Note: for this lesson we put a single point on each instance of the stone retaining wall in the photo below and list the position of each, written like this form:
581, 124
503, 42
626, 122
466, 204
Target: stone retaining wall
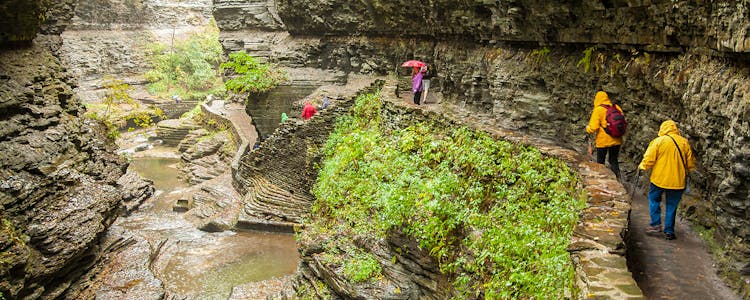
222, 122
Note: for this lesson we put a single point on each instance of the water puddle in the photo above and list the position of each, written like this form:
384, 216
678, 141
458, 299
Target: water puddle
200, 264
162, 170
219, 263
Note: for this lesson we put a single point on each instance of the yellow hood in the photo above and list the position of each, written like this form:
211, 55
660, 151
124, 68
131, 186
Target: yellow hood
602, 98
668, 127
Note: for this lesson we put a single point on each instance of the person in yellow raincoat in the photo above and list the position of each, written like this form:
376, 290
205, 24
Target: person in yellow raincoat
670, 157
605, 143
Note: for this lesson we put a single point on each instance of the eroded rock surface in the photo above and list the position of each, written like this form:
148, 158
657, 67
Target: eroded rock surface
59, 180
205, 155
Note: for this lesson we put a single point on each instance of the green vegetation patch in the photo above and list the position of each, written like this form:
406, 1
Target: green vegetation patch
187, 67
498, 217
251, 75
117, 109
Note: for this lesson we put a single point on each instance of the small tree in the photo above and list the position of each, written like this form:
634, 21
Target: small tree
117, 92
252, 76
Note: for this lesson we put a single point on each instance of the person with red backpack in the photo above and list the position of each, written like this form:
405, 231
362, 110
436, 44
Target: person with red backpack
608, 124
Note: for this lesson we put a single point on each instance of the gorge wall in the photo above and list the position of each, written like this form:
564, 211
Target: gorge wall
112, 37
535, 67
61, 184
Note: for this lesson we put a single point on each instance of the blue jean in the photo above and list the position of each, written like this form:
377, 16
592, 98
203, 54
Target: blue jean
654, 208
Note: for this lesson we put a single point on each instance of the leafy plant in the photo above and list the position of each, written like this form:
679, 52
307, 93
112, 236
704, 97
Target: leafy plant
141, 119
537, 55
497, 217
116, 92
361, 266
14, 237
588, 54
616, 65
251, 74
188, 68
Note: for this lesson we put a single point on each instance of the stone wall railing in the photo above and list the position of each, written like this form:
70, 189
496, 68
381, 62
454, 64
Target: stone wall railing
241, 143
597, 247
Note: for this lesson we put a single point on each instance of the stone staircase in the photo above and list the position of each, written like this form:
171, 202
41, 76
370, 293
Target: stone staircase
172, 131
266, 204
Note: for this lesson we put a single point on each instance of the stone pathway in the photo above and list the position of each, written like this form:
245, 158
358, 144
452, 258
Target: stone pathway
235, 112
677, 269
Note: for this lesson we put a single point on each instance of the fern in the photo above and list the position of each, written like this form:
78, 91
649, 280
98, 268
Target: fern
588, 54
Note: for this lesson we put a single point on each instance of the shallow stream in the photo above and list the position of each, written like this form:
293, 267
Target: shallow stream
196, 263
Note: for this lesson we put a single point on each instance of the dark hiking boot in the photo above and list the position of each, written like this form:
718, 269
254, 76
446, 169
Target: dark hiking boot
670, 236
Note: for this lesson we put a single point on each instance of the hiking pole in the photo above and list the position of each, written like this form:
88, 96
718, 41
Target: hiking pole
635, 183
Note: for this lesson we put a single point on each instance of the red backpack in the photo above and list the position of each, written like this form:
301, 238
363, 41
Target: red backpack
616, 124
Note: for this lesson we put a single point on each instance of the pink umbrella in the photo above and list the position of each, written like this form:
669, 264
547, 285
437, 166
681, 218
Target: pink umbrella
413, 64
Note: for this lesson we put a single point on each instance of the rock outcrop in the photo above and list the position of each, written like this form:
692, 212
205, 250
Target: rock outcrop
205, 155
275, 178
60, 185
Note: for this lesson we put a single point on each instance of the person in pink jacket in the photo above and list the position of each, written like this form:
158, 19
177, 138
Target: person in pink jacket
416, 86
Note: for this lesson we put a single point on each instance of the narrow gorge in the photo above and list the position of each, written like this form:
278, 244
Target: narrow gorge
520, 71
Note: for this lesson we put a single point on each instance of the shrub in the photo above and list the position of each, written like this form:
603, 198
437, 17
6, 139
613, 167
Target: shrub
361, 266
251, 75
588, 55
189, 68
116, 92
496, 216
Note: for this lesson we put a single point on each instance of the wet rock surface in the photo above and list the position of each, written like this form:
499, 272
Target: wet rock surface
657, 263
59, 180
172, 131
657, 25
204, 155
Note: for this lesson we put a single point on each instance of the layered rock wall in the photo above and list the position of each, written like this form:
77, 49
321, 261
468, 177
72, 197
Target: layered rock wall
61, 184
656, 25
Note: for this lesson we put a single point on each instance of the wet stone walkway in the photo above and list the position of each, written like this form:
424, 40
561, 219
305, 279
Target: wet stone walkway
677, 269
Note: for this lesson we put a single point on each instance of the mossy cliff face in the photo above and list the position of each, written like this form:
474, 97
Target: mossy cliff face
59, 174
525, 62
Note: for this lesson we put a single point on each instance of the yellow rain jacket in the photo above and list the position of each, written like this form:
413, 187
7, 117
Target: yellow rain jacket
598, 121
662, 155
